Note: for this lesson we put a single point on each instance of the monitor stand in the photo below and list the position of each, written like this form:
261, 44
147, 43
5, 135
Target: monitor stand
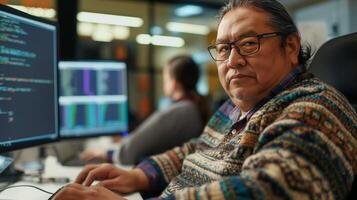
8, 174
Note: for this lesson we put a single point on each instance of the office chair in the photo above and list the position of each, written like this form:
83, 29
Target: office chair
335, 62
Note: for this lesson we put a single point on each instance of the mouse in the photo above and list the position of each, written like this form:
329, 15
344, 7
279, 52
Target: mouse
54, 194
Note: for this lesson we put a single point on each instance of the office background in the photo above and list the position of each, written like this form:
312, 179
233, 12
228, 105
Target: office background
187, 26
159, 31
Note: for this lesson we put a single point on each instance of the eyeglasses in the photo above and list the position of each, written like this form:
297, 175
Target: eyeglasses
245, 46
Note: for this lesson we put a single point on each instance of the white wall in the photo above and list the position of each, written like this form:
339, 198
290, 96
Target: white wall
326, 20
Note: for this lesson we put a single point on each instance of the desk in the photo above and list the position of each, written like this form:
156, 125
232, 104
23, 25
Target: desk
52, 169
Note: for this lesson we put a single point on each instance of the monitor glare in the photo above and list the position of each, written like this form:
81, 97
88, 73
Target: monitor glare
93, 98
28, 80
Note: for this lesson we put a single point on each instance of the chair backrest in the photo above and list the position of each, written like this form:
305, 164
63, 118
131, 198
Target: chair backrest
335, 62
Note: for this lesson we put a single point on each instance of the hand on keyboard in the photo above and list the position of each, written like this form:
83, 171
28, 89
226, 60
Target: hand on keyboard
77, 191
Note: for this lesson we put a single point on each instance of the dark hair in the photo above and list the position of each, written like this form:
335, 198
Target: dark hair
279, 19
183, 69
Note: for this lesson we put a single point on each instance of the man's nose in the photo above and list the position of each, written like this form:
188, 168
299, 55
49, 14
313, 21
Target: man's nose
235, 59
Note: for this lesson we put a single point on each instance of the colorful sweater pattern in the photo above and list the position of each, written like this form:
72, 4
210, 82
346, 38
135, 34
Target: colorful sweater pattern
301, 144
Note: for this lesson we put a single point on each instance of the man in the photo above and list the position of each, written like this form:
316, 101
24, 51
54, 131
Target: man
283, 135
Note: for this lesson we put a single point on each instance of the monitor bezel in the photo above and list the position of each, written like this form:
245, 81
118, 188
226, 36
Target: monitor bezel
25, 144
98, 134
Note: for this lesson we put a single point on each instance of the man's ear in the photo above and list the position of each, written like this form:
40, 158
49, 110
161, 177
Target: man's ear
292, 48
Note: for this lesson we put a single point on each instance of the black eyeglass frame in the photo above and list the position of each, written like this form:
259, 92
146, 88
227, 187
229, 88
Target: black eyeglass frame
264, 35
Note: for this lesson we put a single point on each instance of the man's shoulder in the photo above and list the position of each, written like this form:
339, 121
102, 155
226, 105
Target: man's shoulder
307, 91
307, 84
308, 87
313, 93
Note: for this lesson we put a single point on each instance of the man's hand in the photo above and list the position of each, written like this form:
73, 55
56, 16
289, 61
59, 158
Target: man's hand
76, 191
113, 178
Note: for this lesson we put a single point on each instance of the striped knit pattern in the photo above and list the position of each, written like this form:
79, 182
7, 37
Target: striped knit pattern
302, 144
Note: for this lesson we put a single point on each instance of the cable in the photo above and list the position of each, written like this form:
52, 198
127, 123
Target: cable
13, 186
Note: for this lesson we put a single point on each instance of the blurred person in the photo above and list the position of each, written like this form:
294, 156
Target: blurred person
182, 120
284, 134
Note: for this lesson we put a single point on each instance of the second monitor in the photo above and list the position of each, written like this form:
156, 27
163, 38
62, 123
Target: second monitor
93, 98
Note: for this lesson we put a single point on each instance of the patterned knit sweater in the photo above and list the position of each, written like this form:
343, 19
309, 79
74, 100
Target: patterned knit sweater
301, 144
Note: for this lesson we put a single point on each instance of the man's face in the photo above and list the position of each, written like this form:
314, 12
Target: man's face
248, 79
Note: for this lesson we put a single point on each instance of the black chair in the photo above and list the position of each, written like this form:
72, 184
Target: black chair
335, 62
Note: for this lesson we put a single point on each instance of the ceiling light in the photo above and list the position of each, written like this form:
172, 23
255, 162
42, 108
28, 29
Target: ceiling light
85, 29
156, 30
188, 10
167, 41
109, 19
90, 29
121, 32
143, 39
103, 34
187, 28
39, 12
160, 40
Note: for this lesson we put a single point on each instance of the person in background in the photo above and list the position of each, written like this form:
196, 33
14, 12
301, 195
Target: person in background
182, 120
284, 134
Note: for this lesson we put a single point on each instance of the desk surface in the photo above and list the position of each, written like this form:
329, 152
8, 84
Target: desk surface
53, 170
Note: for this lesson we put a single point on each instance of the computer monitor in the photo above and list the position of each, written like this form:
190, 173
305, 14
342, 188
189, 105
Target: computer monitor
93, 98
28, 80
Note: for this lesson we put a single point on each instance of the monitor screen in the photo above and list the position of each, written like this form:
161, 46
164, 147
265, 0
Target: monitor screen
93, 98
28, 80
